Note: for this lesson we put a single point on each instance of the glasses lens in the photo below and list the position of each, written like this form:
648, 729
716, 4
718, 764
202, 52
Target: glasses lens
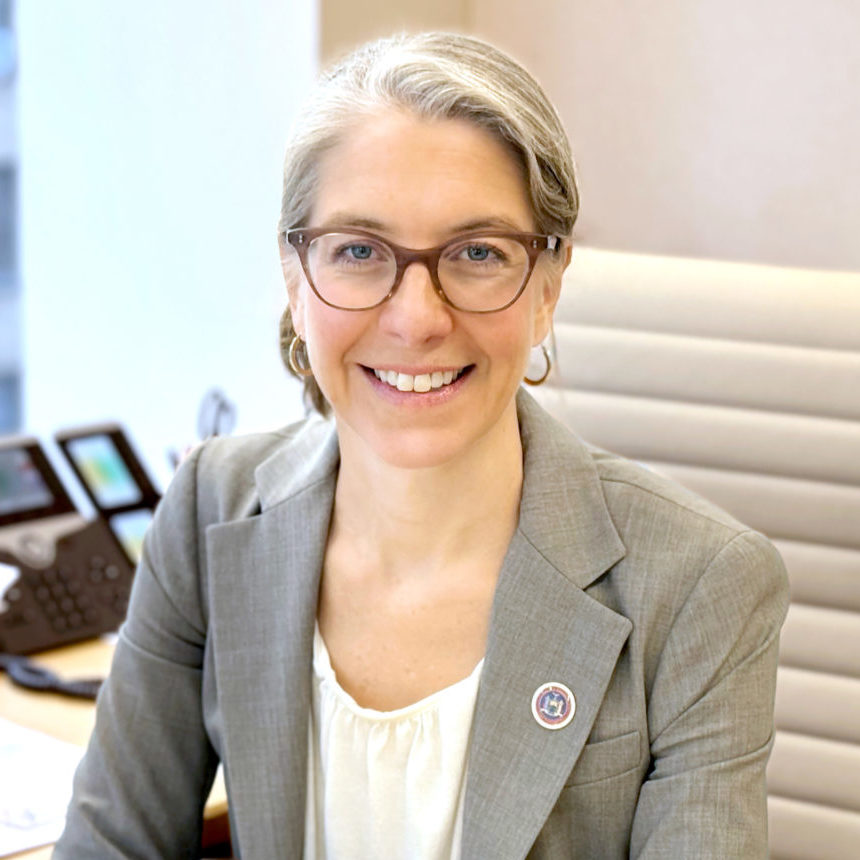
350, 270
483, 273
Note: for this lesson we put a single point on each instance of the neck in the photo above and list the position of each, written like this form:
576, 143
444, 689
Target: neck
426, 519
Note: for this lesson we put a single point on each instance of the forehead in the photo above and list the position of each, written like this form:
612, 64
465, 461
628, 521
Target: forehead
405, 174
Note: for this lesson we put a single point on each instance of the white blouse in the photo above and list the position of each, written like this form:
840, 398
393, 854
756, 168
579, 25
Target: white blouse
386, 784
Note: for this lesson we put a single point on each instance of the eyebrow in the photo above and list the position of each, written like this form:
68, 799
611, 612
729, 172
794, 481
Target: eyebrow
489, 223
347, 219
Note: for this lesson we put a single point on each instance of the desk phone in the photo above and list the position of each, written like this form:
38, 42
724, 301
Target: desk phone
74, 574
115, 480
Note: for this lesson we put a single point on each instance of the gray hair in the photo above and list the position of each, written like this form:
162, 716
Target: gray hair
435, 76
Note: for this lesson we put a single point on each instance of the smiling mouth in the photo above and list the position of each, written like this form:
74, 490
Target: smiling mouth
421, 382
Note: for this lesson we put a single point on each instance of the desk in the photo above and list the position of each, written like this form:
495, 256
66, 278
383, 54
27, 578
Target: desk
73, 719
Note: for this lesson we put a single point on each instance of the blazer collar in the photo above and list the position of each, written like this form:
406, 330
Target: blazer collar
311, 457
264, 574
563, 511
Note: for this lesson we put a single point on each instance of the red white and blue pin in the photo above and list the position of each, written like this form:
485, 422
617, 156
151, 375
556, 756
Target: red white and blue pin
553, 705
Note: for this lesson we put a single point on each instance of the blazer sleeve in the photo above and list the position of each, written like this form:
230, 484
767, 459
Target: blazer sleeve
710, 712
140, 789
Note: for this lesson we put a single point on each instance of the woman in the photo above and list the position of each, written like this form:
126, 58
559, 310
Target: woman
438, 625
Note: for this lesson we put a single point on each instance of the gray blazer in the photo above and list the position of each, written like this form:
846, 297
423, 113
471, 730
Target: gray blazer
660, 612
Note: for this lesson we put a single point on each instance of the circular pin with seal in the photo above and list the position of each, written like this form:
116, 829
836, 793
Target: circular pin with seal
553, 705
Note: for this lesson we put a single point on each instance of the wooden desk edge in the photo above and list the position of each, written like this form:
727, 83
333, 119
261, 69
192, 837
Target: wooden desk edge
72, 720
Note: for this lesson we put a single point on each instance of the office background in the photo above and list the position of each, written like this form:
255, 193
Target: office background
140, 150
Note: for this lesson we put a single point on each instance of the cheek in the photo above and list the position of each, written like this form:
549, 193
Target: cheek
507, 337
329, 333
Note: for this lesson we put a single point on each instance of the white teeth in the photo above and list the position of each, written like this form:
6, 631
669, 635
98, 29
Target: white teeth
405, 382
421, 383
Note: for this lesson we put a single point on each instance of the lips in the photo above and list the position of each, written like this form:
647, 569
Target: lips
421, 382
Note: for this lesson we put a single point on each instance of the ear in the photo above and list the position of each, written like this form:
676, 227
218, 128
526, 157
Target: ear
295, 283
548, 295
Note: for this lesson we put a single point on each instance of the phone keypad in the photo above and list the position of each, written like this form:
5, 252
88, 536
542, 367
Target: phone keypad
61, 595
84, 593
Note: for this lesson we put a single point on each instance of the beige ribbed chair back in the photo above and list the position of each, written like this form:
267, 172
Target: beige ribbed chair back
743, 383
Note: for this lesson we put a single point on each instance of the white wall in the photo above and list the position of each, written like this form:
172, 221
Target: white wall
717, 128
151, 141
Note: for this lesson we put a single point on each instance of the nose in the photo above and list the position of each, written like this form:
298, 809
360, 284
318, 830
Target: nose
416, 313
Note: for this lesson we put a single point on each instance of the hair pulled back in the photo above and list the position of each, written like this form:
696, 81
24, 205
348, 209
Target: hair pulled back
434, 76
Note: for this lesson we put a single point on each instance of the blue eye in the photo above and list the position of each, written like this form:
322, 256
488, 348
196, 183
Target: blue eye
478, 253
360, 252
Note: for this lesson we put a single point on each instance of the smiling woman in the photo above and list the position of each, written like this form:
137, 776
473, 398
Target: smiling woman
419, 181
429, 622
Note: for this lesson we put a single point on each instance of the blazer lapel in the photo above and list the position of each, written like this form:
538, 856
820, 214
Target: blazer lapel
264, 574
544, 628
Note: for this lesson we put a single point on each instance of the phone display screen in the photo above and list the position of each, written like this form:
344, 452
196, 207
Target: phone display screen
129, 529
22, 487
104, 471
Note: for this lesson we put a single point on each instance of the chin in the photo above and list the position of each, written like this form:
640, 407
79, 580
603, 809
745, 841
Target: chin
406, 437
419, 450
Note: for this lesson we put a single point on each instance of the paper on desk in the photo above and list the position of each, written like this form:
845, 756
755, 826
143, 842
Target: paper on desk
35, 786
8, 574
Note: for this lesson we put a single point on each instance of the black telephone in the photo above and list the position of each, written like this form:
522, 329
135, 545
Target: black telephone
105, 463
73, 575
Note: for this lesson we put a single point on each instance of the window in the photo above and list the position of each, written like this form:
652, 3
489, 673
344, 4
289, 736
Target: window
10, 404
8, 237
7, 43
10, 372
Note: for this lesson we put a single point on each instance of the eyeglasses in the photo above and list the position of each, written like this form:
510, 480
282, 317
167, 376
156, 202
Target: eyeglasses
479, 272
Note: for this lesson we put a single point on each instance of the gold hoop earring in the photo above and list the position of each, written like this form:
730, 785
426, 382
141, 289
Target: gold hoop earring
301, 366
547, 358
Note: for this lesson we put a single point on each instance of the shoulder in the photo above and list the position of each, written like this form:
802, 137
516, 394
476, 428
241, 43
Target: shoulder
234, 477
632, 494
633, 490
225, 480
670, 535
677, 542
